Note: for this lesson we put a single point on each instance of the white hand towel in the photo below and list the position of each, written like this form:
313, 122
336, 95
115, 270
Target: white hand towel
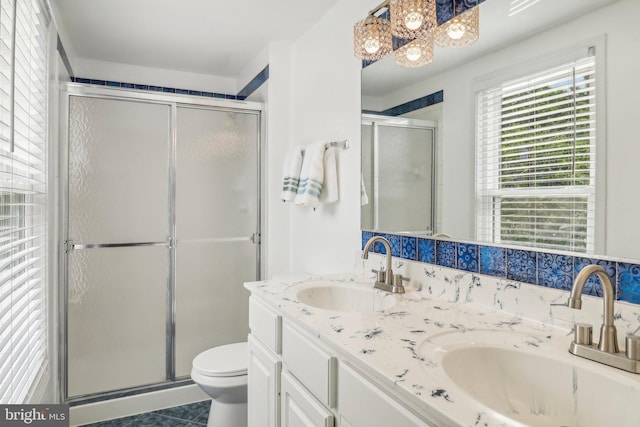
364, 199
329, 192
311, 176
291, 174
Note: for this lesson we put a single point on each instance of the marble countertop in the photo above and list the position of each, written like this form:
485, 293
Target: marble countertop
400, 348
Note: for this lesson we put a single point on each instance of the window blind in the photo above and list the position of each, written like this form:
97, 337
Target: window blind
23, 198
536, 159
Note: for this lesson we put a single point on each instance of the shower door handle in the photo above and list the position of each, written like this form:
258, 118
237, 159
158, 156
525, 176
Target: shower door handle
70, 245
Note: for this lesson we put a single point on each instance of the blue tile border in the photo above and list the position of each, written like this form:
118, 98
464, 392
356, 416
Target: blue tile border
409, 106
468, 257
552, 270
254, 84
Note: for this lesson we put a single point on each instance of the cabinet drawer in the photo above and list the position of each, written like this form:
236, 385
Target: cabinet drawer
265, 324
301, 409
314, 367
357, 399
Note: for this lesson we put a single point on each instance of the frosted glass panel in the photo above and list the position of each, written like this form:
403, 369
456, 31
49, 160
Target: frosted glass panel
216, 173
118, 171
404, 195
211, 303
367, 211
116, 324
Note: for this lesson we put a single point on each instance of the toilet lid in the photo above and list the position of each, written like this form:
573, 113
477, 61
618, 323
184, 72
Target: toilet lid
225, 361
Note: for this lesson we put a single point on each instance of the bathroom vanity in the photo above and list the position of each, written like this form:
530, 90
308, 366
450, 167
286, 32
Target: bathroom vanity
332, 351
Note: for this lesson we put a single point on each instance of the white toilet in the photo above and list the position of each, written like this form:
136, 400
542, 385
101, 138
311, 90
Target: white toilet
222, 373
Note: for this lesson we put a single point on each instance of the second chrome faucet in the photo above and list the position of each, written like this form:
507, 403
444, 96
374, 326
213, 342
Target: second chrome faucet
385, 279
606, 351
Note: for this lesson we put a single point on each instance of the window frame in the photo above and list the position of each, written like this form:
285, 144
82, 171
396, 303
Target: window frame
531, 67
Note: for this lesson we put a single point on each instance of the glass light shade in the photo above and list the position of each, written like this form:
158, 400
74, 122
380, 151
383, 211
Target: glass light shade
372, 38
411, 19
462, 30
416, 53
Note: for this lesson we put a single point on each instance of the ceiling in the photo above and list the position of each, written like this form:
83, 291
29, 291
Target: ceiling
497, 30
202, 36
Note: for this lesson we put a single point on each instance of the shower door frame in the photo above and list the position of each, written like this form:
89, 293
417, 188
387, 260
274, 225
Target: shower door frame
375, 121
173, 101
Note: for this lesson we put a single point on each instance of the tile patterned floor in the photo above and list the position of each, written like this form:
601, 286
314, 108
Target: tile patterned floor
191, 415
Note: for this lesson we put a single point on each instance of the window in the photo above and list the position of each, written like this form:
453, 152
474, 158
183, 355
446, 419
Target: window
23, 208
536, 159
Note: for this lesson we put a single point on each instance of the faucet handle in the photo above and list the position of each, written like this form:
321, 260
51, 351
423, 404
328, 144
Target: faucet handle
583, 333
380, 275
632, 347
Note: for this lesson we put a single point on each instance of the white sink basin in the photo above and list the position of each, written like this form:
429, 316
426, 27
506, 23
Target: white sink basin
540, 391
345, 297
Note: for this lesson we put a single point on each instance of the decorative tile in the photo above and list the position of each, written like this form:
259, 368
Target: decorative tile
140, 87
366, 235
155, 88
521, 265
629, 282
468, 257
409, 246
444, 10
426, 251
415, 104
396, 244
446, 253
462, 6
255, 83
555, 271
593, 286
493, 261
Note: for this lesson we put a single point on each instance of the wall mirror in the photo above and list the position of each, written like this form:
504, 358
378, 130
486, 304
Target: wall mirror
513, 42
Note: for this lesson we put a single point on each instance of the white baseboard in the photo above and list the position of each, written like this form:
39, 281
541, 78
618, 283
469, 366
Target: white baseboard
132, 405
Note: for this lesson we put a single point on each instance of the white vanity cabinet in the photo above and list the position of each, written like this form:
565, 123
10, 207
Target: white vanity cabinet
300, 408
264, 367
362, 404
295, 380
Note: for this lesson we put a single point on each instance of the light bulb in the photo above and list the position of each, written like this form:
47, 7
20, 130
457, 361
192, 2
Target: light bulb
413, 20
456, 30
413, 53
372, 45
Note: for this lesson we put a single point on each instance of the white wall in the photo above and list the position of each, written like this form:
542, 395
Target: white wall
619, 22
325, 105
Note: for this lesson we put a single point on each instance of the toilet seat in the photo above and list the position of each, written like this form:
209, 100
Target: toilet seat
229, 360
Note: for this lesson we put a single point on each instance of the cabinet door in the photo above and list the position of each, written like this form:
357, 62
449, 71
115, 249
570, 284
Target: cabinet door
263, 388
362, 404
300, 408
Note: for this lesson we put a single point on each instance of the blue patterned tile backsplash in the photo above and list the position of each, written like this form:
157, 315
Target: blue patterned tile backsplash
551, 270
468, 257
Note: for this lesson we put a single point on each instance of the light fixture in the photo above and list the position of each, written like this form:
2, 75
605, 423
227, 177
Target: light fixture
410, 27
372, 38
411, 19
462, 30
416, 53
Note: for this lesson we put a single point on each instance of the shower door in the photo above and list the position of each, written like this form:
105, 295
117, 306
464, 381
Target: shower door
403, 152
117, 246
161, 230
216, 211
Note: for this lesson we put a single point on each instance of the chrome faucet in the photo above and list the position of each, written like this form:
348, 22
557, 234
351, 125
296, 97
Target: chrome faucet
385, 280
606, 351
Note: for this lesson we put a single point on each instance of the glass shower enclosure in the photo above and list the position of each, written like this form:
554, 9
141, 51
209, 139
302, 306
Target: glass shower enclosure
161, 227
398, 174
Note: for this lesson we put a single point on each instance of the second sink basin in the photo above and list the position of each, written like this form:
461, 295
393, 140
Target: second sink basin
345, 297
539, 391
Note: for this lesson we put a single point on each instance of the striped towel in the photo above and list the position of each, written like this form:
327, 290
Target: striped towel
311, 176
291, 174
